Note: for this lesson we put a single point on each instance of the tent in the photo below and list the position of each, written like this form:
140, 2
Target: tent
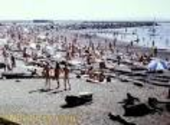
157, 65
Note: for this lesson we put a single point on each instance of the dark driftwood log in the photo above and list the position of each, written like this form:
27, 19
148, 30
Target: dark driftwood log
15, 75
141, 74
161, 84
19, 76
121, 71
73, 101
160, 80
135, 68
139, 84
163, 76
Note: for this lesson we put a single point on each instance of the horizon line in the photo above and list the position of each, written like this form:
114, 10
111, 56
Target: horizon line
83, 20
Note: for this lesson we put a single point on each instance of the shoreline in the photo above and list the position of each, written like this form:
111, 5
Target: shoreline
162, 53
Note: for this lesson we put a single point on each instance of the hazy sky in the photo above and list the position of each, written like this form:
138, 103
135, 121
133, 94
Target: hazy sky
84, 9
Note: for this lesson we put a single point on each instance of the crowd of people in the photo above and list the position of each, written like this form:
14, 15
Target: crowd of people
35, 43
57, 75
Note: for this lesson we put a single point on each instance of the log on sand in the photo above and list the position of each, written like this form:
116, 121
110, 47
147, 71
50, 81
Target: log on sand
19, 76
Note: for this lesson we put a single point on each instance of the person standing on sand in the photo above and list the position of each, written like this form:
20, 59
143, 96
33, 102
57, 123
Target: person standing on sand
57, 74
118, 59
13, 62
66, 77
4, 54
46, 72
25, 56
154, 49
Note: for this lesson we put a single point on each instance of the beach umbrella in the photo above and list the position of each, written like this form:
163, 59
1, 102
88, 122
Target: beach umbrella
157, 65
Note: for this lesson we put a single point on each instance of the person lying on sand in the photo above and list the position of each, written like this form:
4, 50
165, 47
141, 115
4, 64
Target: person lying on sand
33, 72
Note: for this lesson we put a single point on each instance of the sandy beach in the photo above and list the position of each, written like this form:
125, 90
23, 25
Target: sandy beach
24, 98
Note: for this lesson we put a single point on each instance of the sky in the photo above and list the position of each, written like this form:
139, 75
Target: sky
85, 9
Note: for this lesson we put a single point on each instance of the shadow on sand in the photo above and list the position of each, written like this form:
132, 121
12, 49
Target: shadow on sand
51, 91
65, 106
56, 91
40, 91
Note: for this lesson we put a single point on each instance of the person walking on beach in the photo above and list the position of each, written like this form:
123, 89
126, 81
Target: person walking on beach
46, 72
66, 77
57, 74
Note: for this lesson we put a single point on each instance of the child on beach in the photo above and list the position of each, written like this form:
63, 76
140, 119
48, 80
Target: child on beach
57, 74
66, 77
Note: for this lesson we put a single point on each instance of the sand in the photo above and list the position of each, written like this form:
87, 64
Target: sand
24, 98
15, 98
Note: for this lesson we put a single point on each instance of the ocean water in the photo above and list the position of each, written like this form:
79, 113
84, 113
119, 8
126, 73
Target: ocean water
145, 35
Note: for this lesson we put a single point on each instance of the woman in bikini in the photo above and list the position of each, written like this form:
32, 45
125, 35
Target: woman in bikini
46, 72
66, 77
57, 74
